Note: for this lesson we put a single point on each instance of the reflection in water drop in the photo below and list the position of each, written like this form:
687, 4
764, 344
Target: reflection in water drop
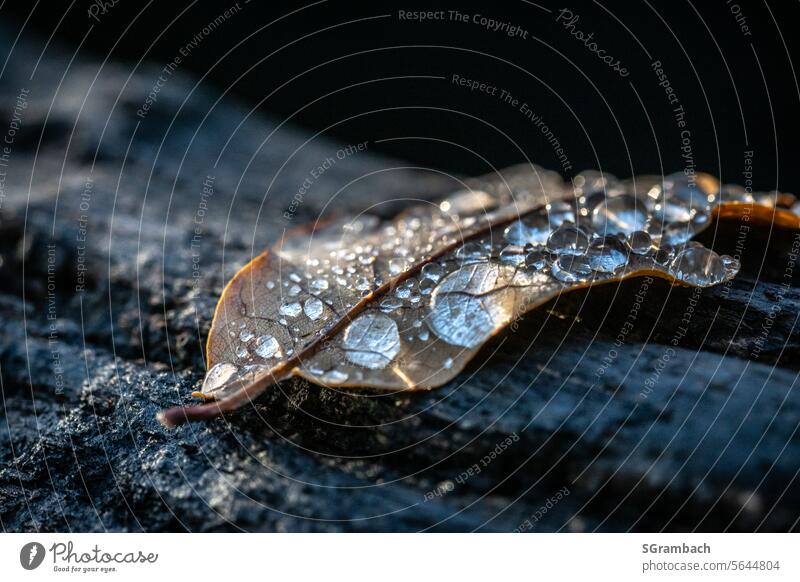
313, 308
640, 242
468, 306
623, 213
512, 254
568, 239
536, 260
571, 268
290, 309
607, 254
267, 346
699, 266
218, 376
371, 341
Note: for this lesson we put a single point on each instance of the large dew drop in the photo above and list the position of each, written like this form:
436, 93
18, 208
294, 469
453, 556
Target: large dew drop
620, 214
699, 266
218, 376
568, 239
372, 341
313, 308
607, 254
468, 306
267, 346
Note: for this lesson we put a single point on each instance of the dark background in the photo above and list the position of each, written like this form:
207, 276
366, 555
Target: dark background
334, 60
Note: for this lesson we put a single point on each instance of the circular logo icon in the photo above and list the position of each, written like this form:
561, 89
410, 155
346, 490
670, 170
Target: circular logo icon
31, 555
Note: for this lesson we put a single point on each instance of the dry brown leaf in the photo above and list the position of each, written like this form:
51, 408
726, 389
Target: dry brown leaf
405, 304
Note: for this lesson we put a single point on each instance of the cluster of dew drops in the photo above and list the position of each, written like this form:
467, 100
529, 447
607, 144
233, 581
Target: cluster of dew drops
596, 233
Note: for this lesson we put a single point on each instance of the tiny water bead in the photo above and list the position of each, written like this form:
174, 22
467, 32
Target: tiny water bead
246, 335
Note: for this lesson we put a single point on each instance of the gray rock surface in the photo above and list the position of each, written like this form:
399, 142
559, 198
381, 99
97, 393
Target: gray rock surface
113, 259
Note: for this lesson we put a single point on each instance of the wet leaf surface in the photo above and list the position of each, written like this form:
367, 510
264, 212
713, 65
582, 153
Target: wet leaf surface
405, 304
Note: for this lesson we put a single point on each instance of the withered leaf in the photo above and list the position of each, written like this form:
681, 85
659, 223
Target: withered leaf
404, 304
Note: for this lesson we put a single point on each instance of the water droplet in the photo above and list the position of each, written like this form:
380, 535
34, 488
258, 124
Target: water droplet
432, 271
512, 254
389, 304
362, 284
241, 352
607, 254
319, 284
677, 233
623, 213
246, 335
426, 286
313, 308
732, 265
465, 309
371, 341
699, 266
290, 309
531, 230
267, 346
403, 292
536, 260
295, 277
396, 266
472, 251
334, 377
559, 212
571, 268
568, 239
448, 363
640, 242
424, 334
294, 290
218, 376
270, 284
